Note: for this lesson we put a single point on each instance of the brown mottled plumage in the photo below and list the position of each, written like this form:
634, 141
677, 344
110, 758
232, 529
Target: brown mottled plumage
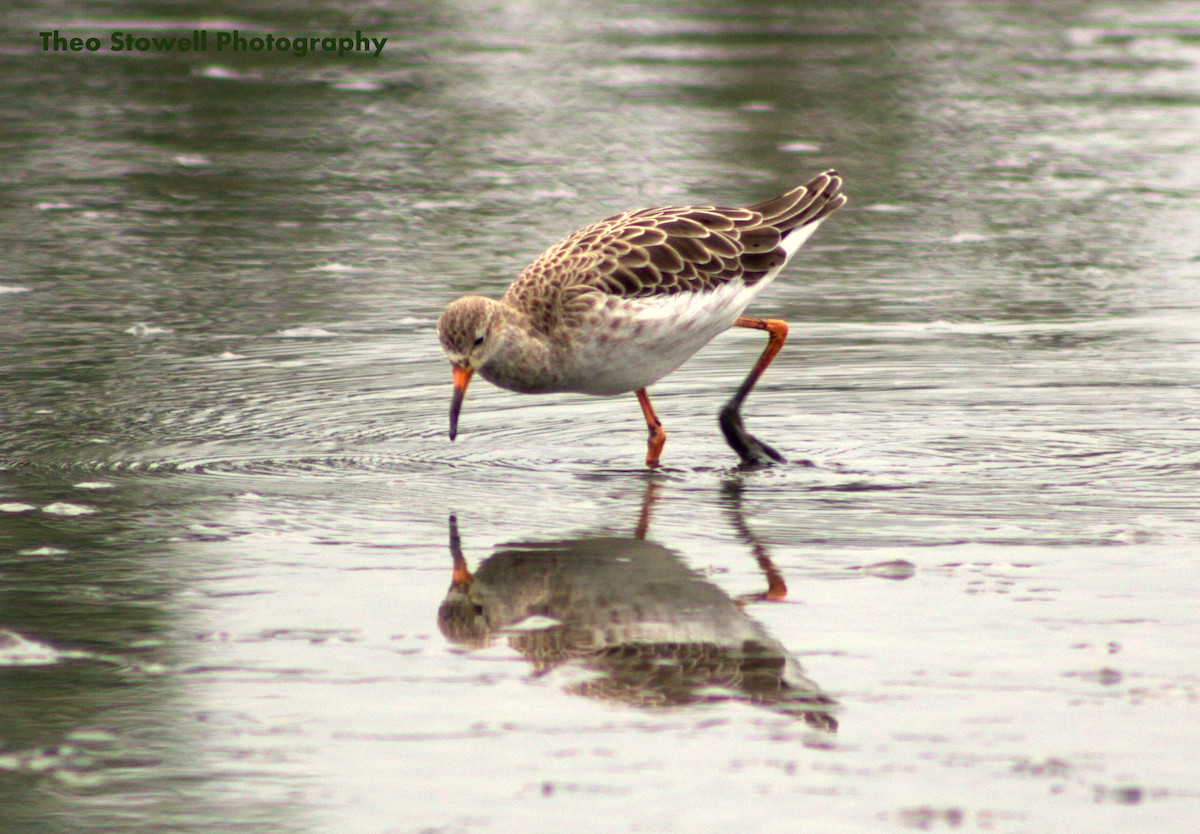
664, 251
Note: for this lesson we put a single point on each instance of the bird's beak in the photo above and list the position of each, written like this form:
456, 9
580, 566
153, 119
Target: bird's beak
462, 375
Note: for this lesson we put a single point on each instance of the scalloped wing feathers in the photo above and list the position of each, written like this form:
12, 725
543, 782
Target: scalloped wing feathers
664, 251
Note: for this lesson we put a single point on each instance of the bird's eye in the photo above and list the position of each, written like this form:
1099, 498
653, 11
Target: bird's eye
478, 341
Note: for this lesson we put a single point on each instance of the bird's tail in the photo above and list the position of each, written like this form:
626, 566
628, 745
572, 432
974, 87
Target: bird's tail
805, 204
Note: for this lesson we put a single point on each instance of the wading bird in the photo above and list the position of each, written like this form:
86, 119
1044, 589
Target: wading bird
620, 304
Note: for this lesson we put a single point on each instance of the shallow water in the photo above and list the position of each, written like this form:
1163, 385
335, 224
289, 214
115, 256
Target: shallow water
226, 491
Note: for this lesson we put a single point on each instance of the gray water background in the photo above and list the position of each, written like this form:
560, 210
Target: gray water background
226, 486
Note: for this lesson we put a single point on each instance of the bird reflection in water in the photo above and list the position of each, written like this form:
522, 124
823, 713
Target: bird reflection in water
654, 632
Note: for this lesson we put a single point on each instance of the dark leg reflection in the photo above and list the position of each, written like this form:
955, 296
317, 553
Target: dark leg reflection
776, 588
655, 632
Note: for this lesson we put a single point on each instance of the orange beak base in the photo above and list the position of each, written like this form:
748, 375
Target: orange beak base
462, 376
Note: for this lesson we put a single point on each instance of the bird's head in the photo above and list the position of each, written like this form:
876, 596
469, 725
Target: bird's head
465, 329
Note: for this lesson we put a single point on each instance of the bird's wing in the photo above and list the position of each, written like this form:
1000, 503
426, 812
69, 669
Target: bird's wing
663, 251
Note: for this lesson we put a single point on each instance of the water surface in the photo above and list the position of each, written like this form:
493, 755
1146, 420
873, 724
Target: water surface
226, 490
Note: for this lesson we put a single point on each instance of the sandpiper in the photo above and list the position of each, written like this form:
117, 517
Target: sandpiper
620, 304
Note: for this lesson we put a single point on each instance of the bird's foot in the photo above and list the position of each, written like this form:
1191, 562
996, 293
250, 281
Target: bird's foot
752, 451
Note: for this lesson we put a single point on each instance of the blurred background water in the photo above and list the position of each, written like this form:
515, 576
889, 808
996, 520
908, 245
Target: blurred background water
226, 488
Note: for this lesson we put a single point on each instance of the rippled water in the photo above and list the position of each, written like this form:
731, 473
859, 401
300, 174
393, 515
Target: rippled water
230, 514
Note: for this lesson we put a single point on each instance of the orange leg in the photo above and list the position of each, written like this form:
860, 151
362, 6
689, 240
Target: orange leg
750, 448
658, 435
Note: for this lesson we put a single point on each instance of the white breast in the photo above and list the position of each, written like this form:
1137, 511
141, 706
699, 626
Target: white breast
644, 339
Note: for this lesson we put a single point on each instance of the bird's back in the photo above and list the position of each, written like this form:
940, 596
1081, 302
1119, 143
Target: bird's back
663, 252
